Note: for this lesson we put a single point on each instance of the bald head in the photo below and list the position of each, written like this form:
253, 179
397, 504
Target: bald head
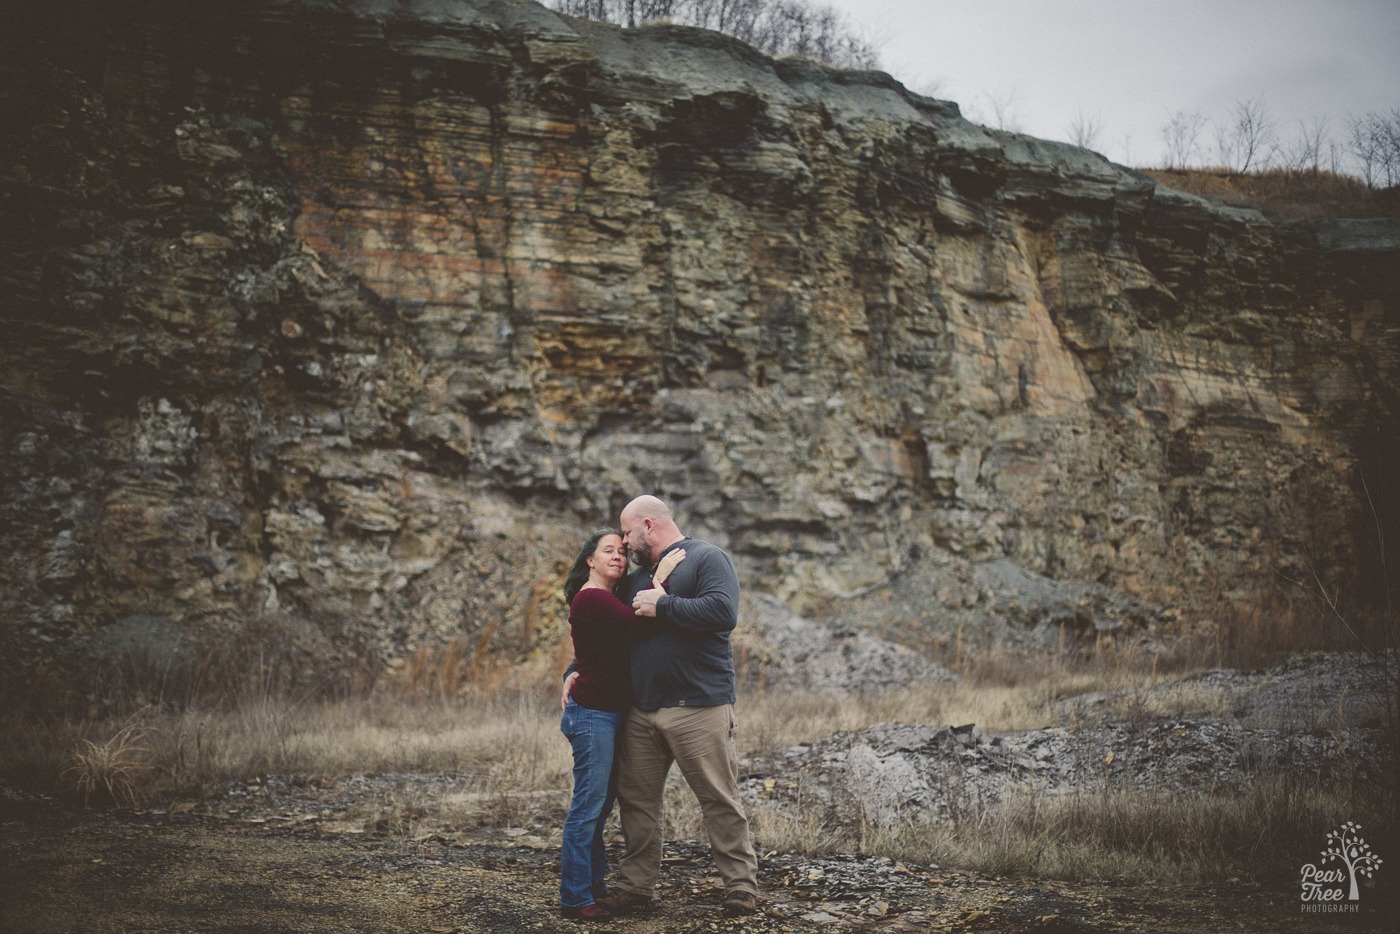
647, 507
648, 529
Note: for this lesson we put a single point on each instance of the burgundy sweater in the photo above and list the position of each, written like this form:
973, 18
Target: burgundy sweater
603, 629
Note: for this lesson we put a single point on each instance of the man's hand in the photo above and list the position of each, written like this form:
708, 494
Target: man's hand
568, 688
645, 602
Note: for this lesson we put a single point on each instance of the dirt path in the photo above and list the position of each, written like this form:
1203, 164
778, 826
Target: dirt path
66, 871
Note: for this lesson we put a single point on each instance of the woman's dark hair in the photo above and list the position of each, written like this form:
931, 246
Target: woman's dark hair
578, 576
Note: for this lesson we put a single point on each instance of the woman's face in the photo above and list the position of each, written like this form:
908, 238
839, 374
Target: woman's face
609, 559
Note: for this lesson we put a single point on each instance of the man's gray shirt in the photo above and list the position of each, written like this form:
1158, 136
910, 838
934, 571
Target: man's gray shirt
688, 661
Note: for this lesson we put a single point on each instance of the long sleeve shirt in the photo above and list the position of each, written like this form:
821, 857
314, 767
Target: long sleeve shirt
687, 660
603, 629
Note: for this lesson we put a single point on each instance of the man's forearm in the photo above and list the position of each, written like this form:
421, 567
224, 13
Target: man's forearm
704, 593
716, 611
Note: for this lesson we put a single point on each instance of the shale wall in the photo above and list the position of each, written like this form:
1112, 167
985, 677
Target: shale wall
332, 326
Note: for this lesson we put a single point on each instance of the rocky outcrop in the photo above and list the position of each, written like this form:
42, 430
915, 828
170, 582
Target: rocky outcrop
339, 323
777, 649
896, 773
1229, 730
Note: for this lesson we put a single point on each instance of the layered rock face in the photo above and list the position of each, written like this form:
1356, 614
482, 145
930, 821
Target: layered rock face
336, 324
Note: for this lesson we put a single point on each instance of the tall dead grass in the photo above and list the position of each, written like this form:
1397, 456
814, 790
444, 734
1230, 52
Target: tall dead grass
1134, 836
113, 769
1251, 831
508, 736
496, 731
1282, 194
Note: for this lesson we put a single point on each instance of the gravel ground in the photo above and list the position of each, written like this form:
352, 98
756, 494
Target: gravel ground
306, 854
66, 871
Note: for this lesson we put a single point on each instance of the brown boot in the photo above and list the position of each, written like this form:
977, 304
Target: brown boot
622, 902
740, 903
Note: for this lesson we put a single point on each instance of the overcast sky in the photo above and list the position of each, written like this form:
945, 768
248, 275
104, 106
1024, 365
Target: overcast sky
1131, 64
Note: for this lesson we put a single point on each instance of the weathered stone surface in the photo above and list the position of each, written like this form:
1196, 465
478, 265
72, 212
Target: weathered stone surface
778, 649
357, 315
896, 773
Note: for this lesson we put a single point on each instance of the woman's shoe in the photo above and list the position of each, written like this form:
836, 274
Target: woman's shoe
593, 912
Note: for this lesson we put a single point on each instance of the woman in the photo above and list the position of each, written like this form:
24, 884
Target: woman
601, 626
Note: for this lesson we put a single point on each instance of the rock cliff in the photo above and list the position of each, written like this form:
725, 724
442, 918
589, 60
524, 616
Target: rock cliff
332, 324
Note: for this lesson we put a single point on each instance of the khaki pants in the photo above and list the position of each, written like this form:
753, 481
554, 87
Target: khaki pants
701, 741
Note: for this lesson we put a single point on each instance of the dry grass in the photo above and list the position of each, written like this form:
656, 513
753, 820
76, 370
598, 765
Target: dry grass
1282, 194
1159, 837
1099, 834
498, 739
1248, 831
1006, 688
113, 770
1260, 635
509, 737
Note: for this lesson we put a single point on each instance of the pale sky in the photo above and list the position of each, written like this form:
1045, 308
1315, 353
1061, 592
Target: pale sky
1131, 64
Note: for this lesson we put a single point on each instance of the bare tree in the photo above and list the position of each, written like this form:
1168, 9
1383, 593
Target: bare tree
1371, 142
602, 10
1388, 127
931, 87
647, 11
1304, 153
1248, 138
775, 27
795, 27
785, 29
1085, 129
737, 18
1182, 136
1003, 106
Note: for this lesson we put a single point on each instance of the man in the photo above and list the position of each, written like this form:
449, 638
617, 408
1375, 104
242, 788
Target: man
682, 712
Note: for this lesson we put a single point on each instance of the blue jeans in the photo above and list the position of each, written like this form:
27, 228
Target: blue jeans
583, 865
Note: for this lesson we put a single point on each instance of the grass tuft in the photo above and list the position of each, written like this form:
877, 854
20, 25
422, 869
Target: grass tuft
113, 771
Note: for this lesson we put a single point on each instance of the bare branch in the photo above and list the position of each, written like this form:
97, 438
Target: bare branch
1248, 138
1182, 135
1003, 105
1085, 129
1304, 153
1373, 141
775, 27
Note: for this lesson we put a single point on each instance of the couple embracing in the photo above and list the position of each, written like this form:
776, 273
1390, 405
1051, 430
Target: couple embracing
652, 683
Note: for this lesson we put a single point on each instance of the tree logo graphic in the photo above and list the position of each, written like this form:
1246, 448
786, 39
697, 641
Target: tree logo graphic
1344, 845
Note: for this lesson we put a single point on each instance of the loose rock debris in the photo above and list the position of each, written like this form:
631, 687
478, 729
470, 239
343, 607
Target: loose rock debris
63, 871
322, 853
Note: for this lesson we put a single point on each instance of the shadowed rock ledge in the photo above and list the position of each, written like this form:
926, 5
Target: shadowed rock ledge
332, 325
